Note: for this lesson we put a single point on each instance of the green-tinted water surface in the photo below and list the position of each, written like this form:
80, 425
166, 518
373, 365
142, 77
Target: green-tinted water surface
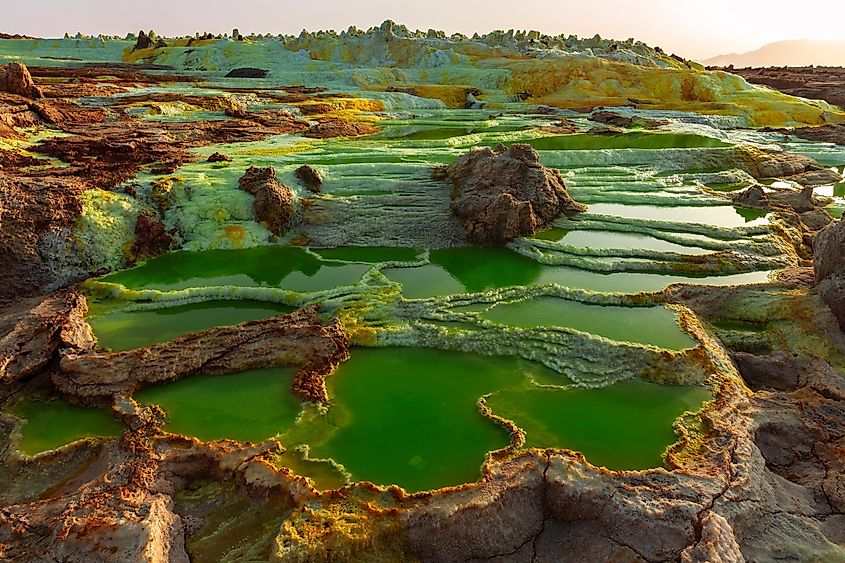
409, 416
274, 266
645, 325
625, 426
249, 406
716, 215
637, 140
612, 239
50, 424
125, 330
460, 270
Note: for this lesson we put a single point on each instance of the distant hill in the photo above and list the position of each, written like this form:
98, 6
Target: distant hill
800, 52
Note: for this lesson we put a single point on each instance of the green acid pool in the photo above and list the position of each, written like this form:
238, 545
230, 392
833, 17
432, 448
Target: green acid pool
462, 270
287, 267
248, 406
715, 215
409, 415
613, 240
54, 423
125, 330
656, 326
630, 140
625, 426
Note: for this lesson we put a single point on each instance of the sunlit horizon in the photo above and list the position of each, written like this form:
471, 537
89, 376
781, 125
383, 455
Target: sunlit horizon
693, 30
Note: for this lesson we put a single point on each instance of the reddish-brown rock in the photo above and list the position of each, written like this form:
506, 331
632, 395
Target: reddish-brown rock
829, 133
30, 209
151, 237
340, 128
219, 157
273, 202
15, 79
504, 193
309, 177
296, 339
818, 83
33, 329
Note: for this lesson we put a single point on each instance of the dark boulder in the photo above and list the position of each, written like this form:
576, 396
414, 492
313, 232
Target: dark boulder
247, 72
309, 177
273, 203
503, 194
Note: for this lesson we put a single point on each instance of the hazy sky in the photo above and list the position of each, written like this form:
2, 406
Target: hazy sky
692, 28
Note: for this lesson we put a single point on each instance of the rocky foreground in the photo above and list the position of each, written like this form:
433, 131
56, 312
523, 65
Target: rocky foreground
758, 475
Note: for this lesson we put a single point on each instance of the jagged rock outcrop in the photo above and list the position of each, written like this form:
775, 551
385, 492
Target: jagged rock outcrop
273, 202
31, 208
777, 164
145, 41
800, 201
297, 339
34, 329
219, 157
15, 79
829, 267
119, 501
753, 196
309, 177
503, 194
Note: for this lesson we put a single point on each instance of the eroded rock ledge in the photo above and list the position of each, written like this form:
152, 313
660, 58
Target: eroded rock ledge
297, 339
504, 193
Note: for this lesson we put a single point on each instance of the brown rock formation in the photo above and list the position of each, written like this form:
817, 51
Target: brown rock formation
273, 202
504, 193
309, 177
818, 83
562, 127
295, 339
236, 108
15, 79
120, 501
145, 41
151, 237
63, 112
625, 122
799, 201
340, 128
829, 266
31, 208
16, 160
107, 154
34, 329
830, 133
219, 157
